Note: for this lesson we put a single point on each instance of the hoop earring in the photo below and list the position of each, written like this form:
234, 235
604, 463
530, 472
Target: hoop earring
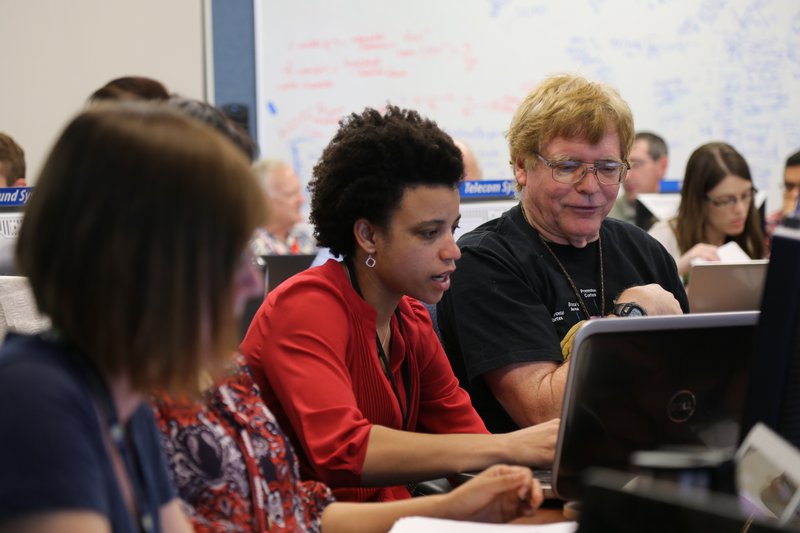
370, 261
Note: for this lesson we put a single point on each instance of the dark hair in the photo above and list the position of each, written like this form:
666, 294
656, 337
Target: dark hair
218, 120
656, 147
131, 88
11, 152
133, 237
793, 160
707, 166
369, 164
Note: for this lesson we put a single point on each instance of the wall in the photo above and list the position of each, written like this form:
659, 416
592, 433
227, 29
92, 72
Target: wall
55, 53
691, 71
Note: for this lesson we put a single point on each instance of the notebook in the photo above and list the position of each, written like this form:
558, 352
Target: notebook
726, 286
648, 383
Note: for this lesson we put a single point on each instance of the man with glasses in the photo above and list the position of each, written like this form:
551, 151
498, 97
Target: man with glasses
648, 159
791, 193
526, 279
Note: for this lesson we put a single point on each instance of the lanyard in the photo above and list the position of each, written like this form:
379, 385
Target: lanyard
404, 368
119, 437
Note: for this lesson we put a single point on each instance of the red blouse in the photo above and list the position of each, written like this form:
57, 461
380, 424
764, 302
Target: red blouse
313, 352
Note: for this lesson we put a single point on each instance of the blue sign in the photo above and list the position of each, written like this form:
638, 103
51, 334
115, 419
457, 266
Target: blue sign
669, 186
487, 189
14, 196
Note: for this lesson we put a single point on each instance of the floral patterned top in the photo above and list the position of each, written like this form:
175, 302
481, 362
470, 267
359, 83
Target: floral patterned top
233, 466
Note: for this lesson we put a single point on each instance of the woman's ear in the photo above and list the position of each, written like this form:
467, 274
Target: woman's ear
364, 232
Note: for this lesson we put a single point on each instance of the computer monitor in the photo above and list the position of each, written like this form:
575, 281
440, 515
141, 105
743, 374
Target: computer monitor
482, 201
773, 395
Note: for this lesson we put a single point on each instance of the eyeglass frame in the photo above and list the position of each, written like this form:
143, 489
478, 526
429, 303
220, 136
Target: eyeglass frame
586, 167
731, 201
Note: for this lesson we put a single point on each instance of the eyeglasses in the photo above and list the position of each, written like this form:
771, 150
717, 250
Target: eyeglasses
607, 172
731, 201
790, 187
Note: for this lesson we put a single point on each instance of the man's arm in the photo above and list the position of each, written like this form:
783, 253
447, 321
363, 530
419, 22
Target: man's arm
529, 392
533, 392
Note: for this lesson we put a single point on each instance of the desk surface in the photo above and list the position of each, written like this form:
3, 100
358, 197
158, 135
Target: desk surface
550, 512
543, 516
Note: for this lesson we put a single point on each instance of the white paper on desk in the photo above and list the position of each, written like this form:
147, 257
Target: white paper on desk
417, 524
732, 252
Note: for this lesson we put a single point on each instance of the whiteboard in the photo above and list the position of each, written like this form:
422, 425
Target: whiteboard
691, 70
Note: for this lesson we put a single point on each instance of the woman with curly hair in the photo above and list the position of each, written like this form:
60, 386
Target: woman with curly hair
345, 355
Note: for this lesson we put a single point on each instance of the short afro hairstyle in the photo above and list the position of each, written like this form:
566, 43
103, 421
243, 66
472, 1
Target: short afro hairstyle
369, 164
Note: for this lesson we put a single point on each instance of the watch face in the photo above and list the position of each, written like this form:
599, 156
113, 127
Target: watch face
629, 309
634, 310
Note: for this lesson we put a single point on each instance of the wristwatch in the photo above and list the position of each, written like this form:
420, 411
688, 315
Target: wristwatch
628, 309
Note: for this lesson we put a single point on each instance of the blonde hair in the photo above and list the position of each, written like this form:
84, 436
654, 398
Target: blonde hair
571, 107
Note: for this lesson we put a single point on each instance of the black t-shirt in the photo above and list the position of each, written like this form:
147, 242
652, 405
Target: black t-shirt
510, 302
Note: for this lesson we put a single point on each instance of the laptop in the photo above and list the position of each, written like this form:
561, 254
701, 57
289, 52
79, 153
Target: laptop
726, 286
279, 268
648, 383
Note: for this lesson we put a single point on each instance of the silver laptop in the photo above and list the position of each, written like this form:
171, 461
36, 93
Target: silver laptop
648, 383
725, 286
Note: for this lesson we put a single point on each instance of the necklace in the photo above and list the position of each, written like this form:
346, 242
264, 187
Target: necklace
385, 337
569, 278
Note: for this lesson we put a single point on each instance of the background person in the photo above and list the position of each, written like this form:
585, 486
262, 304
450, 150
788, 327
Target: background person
526, 279
12, 163
649, 159
131, 88
283, 233
214, 117
717, 206
12, 174
791, 193
345, 355
132, 245
472, 170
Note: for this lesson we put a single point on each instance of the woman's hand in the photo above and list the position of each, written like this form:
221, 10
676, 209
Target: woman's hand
533, 445
498, 494
706, 252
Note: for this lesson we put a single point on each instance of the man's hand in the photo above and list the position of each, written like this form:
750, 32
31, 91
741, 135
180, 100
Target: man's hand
653, 298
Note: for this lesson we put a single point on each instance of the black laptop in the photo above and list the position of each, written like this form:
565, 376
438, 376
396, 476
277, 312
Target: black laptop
649, 383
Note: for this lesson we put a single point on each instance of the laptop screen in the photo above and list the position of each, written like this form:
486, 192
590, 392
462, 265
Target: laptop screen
774, 394
646, 383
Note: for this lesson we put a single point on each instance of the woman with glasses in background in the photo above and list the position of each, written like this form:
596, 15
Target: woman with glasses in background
717, 206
